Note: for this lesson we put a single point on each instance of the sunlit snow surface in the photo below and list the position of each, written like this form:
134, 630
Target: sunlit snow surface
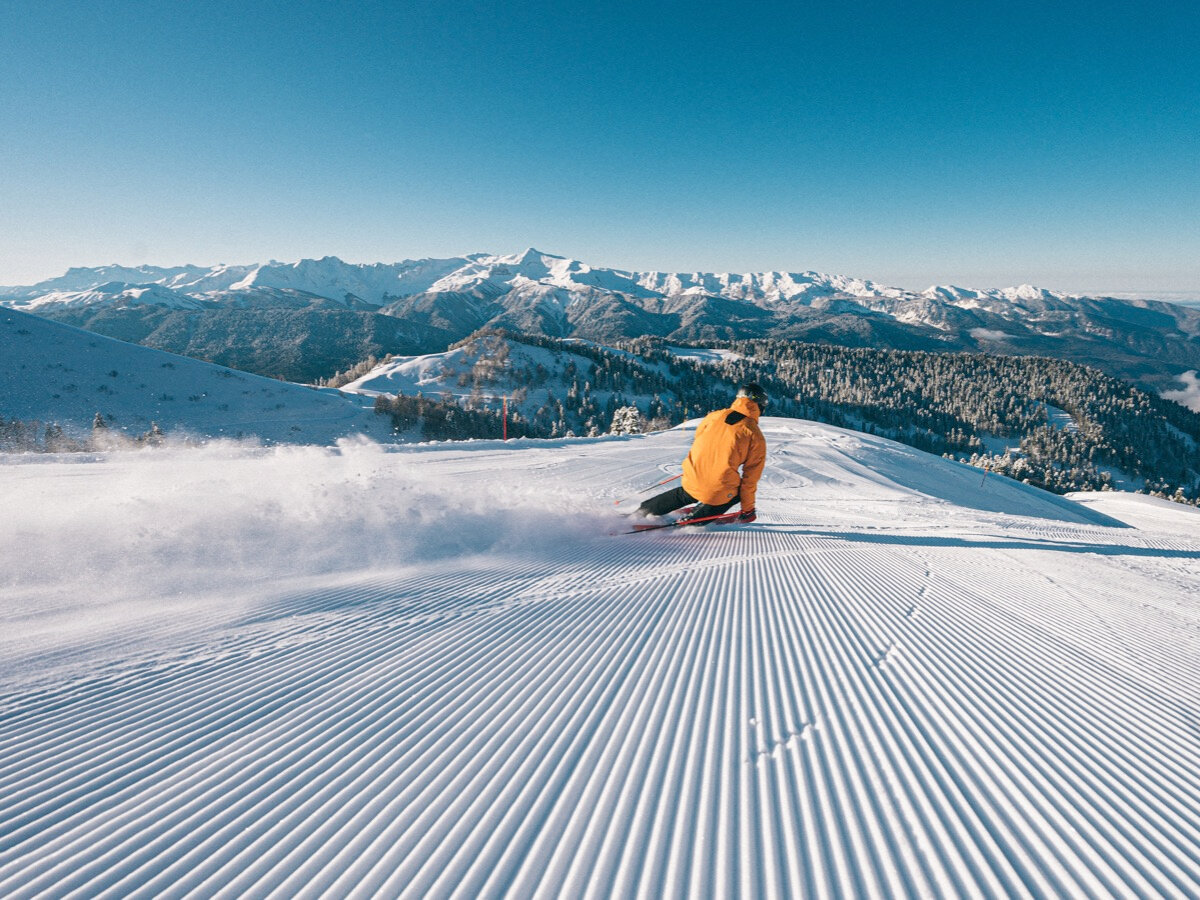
433, 671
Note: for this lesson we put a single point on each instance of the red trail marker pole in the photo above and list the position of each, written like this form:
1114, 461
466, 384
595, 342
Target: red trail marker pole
505, 419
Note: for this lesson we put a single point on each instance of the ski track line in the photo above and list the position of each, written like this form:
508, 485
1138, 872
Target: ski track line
545, 762
763, 712
136, 714
1134, 645
1131, 789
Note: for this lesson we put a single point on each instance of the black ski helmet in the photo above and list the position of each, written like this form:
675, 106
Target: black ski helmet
755, 393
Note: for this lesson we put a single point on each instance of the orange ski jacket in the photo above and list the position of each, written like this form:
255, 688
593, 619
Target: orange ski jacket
725, 441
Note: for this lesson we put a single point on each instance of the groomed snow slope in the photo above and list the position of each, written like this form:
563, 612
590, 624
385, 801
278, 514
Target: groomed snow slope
431, 671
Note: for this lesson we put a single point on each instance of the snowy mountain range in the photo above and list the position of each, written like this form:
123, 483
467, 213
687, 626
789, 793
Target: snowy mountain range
530, 272
440, 301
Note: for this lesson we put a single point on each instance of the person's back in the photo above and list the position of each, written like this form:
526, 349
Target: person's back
726, 441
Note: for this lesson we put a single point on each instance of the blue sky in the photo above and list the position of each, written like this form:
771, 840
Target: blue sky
909, 143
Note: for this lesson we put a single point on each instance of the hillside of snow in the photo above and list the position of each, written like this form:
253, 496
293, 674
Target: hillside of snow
56, 373
436, 671
434, 374
494, 370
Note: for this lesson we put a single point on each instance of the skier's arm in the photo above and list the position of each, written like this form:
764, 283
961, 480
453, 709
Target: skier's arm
752, 468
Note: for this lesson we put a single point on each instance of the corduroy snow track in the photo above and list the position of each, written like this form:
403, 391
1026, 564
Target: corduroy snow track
897, 683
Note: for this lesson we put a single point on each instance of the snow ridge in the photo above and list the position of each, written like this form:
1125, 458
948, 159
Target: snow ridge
116, 293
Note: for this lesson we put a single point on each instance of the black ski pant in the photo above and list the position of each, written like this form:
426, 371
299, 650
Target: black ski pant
671, 500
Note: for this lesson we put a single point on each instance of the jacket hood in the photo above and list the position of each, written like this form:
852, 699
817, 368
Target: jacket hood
746, 407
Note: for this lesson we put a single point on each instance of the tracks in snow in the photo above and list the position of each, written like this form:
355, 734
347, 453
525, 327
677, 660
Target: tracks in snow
882, 695
769, 713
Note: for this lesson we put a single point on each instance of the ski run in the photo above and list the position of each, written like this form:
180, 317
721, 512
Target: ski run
434, 671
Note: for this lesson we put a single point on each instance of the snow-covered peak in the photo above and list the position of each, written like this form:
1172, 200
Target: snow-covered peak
772, 287
530, 257
115, 293
1029, 292
216, 278
377, 283
953, 294
77, 279
500, 273
528, 273
335, 279
950, 292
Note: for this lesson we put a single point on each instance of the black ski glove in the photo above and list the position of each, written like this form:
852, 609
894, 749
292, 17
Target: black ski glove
748, 515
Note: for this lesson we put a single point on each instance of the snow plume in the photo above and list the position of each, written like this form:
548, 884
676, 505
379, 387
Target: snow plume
183, 537
1189, 395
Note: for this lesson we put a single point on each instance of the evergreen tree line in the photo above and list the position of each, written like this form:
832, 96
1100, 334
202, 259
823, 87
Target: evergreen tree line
445, 420
950, 403
353, 373
946, 403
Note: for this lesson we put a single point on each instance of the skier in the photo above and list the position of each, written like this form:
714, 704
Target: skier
725, 441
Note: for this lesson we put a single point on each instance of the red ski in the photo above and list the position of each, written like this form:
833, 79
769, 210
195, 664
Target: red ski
722, 519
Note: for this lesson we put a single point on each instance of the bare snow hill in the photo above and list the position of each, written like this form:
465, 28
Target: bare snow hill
365, 671
53, 373
528, 380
